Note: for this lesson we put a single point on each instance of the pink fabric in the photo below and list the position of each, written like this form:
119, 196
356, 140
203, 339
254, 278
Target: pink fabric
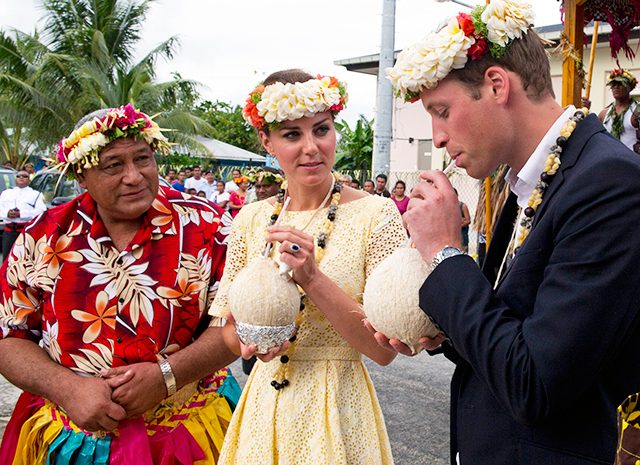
131, 445
401, 204
27, 405
175, 447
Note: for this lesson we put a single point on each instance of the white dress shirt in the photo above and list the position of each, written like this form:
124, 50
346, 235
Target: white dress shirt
29, 201
523, 183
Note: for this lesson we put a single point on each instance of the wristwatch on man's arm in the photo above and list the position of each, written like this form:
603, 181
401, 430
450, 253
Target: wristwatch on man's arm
447, 251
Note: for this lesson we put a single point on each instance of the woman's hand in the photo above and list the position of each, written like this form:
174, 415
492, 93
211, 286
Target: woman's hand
248, 351
297, 250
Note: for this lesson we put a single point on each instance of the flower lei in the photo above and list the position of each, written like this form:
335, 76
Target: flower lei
488, 29
83, 145
551, 167
617, 120
321, 242
277, 102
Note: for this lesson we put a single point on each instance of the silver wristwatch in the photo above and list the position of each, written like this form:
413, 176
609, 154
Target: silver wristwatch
446, 252
167, 375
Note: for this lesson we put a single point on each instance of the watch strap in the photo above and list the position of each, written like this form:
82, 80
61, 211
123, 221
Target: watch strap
168, 376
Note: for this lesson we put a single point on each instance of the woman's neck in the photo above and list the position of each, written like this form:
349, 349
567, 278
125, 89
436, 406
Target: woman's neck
398, 197
307, 197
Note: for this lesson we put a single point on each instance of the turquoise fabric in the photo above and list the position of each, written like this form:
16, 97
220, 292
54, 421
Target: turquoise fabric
78, 449
230, 390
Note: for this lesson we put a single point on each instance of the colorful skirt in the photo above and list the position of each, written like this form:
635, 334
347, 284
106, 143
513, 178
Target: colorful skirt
180, 431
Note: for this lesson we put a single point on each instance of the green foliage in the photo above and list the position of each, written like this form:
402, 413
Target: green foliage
228, 125
479, 25
82, 60
177, 161
355, 147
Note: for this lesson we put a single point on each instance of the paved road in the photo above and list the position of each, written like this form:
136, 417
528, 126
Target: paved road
413, 392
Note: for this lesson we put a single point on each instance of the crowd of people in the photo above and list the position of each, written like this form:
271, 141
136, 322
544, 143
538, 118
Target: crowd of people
261, 183
115, 313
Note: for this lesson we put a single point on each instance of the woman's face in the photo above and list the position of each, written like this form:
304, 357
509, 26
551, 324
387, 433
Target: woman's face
399, 190
305, 148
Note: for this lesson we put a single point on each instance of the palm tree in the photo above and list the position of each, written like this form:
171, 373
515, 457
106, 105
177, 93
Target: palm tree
83, 60
355, 148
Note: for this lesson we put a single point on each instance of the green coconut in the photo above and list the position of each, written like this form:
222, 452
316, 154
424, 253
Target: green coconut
391, 298
261, 296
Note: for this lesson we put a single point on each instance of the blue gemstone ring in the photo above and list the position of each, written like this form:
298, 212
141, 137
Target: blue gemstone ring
295, 248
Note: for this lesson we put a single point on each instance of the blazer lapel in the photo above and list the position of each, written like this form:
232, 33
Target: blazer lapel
583, 132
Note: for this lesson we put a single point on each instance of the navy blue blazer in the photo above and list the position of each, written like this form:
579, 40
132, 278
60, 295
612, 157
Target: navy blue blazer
543, 361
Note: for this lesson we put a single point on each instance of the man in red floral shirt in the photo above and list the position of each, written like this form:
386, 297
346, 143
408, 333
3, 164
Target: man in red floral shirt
101, 312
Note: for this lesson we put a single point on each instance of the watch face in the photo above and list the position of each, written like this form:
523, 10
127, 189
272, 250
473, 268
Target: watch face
450, 252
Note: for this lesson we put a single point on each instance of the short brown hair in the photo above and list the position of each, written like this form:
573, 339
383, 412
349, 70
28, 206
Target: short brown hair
288, 76
526, 57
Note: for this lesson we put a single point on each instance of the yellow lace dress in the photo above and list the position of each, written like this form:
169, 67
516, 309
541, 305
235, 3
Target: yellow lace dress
329, 413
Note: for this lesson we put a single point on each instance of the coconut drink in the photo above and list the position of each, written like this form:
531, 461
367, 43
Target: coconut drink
391, 298
264, 303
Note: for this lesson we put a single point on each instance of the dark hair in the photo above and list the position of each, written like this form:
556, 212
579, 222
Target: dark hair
356, 182
285, 76
525, 57
383, 176
400, 181
369, 180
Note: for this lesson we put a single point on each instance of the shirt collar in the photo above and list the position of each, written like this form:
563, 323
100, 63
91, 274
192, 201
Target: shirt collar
523, 183
159, 219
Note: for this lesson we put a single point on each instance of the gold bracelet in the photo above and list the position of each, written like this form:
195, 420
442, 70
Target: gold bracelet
168, 376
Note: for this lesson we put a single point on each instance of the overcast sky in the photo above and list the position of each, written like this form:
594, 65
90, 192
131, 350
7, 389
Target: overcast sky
230, 45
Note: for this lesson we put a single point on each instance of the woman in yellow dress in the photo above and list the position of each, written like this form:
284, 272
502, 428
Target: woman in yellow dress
312, 402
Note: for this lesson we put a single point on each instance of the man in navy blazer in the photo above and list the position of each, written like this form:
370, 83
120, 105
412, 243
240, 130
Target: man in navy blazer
546, 338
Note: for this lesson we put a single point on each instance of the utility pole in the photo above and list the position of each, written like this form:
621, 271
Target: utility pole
384, 99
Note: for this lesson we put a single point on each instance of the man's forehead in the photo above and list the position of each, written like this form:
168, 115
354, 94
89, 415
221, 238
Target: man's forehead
120, 147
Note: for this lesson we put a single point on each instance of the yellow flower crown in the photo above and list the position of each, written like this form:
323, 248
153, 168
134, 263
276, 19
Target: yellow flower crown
622, 76
266, 177
82, 147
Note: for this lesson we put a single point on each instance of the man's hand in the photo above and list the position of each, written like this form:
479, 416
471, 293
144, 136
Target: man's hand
89, 405
433, 216
395, 345
143, 391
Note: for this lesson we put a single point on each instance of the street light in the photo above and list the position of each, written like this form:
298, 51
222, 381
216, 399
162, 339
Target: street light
458, 2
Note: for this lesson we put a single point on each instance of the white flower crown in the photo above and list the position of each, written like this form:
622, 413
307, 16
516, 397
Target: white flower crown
279, 102
488, 29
